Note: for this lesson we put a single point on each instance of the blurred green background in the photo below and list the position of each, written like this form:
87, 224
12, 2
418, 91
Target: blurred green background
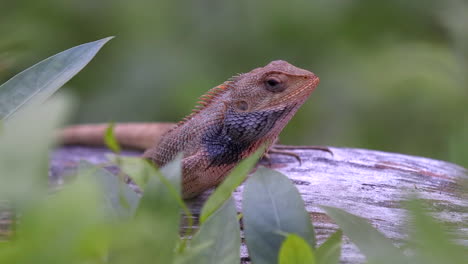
394, 74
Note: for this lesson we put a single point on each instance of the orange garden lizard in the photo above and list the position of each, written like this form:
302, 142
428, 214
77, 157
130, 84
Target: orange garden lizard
230, 122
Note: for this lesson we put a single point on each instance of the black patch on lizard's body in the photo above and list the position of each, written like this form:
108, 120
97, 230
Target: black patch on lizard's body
226, 142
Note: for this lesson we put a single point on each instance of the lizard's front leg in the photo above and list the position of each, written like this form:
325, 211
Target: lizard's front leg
198, 175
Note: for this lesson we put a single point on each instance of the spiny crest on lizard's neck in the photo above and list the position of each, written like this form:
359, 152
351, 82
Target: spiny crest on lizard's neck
207, 99
262, 88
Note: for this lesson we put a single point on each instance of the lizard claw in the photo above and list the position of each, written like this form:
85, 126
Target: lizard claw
267, 158
279, 149
275, 150
321, 148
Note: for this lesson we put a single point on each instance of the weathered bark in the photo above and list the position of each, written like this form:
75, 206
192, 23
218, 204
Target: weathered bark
370, 184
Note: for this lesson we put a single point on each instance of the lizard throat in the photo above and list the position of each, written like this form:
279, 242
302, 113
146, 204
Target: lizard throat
231, 140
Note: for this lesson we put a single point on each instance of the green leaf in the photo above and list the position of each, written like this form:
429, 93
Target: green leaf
374, 245
225, 189
329, 252
152, 236
139, 169
110, 140
222, 230
430, 240
112, 191
24, 151
39, 82
67, 227
190, 253
295, 250
172, 172
271, 206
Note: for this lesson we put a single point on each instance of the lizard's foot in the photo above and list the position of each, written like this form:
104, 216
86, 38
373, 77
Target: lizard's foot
272, 150
266, 157
321, 148
280, 150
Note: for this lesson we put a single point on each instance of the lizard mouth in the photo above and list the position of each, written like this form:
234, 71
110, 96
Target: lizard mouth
302, 92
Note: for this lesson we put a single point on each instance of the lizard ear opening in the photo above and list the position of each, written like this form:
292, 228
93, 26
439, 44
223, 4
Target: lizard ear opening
242, 105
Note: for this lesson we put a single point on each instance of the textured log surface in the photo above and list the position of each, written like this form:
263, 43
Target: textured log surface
367, 183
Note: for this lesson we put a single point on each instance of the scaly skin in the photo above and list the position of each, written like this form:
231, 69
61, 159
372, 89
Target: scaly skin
233, 120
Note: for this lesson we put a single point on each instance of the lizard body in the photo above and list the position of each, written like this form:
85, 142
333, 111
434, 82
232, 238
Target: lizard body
231, 122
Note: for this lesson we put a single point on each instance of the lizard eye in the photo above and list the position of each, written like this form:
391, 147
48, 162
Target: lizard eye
274, 84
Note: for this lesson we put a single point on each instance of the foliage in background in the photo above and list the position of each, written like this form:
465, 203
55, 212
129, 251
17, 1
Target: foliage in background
393, 73
99, 219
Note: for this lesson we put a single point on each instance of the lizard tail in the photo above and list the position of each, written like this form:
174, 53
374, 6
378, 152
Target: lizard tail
129, 135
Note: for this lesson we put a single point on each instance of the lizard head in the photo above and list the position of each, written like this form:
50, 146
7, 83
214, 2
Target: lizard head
277, 85
253, 108
234, 119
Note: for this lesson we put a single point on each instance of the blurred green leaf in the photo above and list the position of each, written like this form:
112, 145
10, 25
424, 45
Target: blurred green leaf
24, 148
68, 227
271, 206
172, 181
172, 173
222, 230
374, 245
140, 170
39, 82
188, 255
430, 240
329, 252
295, 250
112, 191
233, 180
152, 236
110, 140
